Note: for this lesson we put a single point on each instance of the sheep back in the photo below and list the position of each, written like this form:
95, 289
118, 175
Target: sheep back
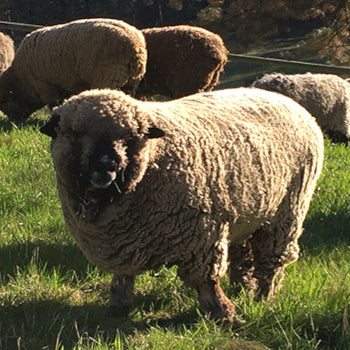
325, 96
55, 62
7, 52
182, 60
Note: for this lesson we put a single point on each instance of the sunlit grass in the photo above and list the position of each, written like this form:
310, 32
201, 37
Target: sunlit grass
52, 298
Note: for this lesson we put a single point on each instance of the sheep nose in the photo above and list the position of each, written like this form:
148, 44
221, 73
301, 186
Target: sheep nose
107, 163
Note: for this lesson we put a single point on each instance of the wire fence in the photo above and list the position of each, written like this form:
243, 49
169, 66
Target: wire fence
313, 67
22, 27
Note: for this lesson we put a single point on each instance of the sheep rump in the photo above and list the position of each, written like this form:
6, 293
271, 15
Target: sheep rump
182, 60
183, 182
55, 62
325, 96
7, 51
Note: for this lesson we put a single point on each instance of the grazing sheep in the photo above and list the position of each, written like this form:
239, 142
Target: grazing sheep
149, 183
325, 96
7, 52
55, 62
182, 60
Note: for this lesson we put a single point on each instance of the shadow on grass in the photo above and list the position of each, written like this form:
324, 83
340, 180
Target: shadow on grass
49, 323
53, 325
325, 233
330, 331
37, 119
65, 257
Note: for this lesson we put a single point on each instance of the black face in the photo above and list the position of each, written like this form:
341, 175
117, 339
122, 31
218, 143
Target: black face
107, 165
17, 109
95, 167
100, 175
16, 104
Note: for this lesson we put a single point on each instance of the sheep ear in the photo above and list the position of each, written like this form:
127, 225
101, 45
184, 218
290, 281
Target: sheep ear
154, 133
49, 128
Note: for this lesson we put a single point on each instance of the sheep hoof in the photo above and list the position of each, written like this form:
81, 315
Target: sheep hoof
121, 295
213, 300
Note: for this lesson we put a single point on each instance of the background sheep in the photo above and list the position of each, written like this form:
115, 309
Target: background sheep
55, 62
7, 51
325, 96
147, 183
182, 60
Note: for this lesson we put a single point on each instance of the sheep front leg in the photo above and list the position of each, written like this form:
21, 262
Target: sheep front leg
121, 295
213, 300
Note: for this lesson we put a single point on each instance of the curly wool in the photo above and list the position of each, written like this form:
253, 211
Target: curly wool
325, 96
7, 52
53, 63
233, 165
182, 60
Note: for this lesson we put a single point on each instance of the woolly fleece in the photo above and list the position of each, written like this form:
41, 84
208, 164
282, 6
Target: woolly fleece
55, 62
7, 52
182, 60
234, 165
325, 96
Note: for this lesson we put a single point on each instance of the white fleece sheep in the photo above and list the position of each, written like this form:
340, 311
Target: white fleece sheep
53, 63
7, 52
149, 183
325, 96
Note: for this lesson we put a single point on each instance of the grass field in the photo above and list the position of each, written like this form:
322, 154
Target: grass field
52, 298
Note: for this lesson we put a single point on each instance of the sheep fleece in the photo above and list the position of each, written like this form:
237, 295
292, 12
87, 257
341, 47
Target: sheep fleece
55, 62
231, 162
7, 52
182, 60
325, 96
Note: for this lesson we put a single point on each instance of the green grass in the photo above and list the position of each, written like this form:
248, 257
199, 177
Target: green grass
52, 298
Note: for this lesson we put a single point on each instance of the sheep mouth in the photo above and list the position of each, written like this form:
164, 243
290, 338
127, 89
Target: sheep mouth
103, 180
103, 190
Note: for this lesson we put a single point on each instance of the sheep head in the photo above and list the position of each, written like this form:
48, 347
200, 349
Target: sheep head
14, 102
96, 159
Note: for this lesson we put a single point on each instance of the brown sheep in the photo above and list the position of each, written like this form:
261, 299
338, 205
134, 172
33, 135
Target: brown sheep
182, 60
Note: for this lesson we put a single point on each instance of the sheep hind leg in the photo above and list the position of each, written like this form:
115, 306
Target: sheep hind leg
241, 268
273, 248
213, 301
121, 295
275, 244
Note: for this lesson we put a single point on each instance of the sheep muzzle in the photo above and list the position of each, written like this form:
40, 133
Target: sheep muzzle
102, 180
105, 173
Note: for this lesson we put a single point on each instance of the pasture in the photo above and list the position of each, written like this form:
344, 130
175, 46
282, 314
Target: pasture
52, 298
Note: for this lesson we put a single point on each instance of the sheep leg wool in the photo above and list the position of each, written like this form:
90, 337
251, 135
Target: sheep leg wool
202, 182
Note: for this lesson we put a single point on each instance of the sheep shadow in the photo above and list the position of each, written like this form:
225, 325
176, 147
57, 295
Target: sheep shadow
324, 233
36, 120
52, 320
65, 257
49, 323
52, 324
